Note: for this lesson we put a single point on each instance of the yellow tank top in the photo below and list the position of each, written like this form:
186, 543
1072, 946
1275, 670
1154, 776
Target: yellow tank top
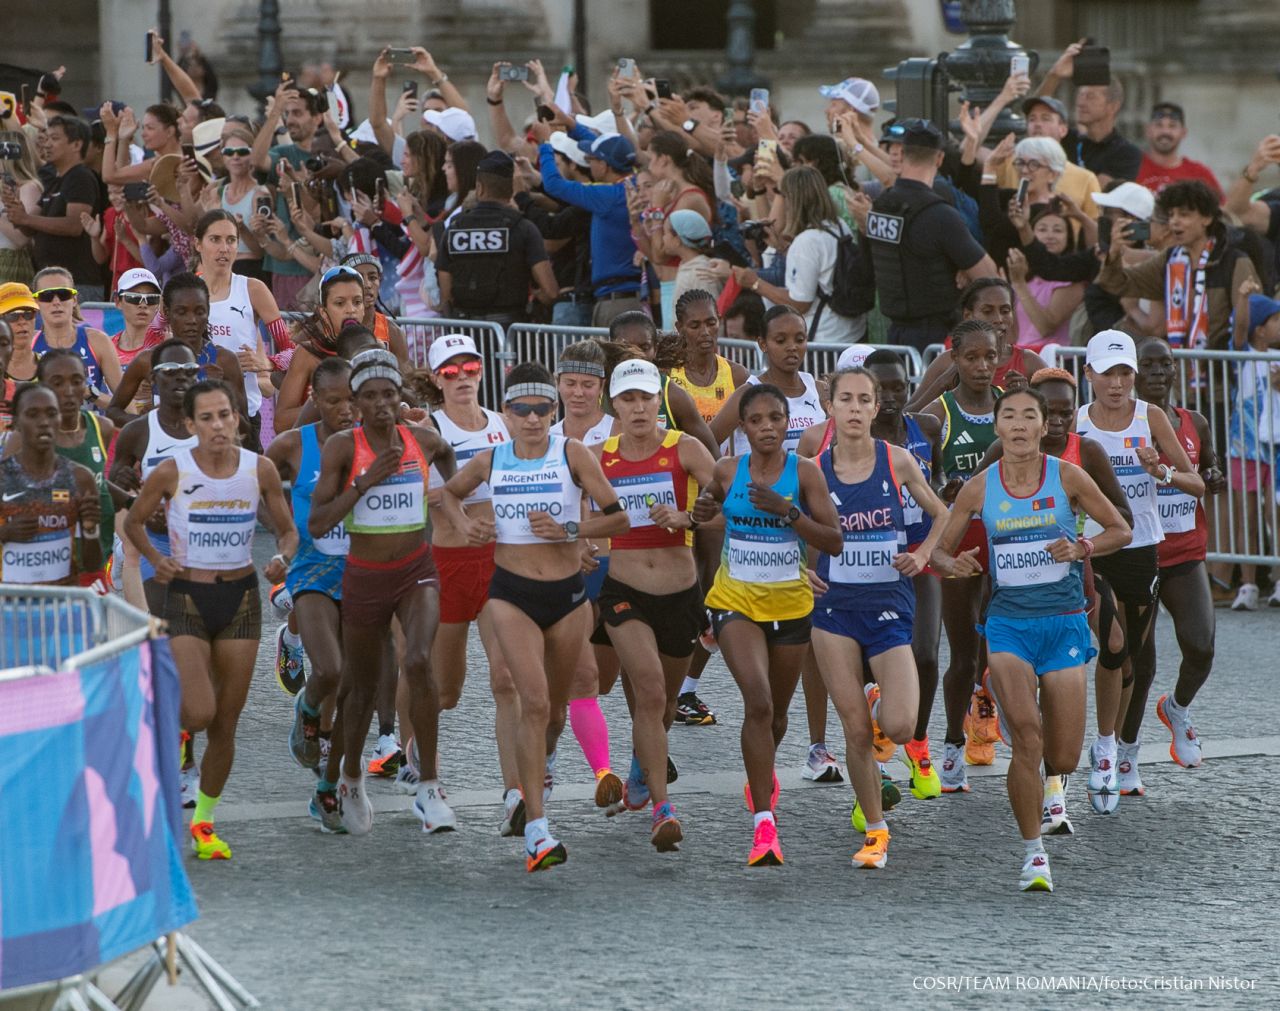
708, 399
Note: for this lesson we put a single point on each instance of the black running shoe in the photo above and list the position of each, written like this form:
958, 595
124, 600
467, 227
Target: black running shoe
672, 772
693, 712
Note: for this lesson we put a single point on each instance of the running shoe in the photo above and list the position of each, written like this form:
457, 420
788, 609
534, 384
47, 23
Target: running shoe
635, 791
549, 778
1185, 748
1002, 728
875, 849
433, 810
608, 788
325, 809
189, 778
1053, 816
953, 777
281, 601
1103, 788
773, 794
387, 757
1035, 873
980, 722
1127, 768
513, 813
205, 843
765, 849
353, 802
1246, 598
672, 772
883, 748
291, 671
326, 746
665, 833
304, 735
924, 780
822, 766
1274, 599
890, 795
693, 712
546, 852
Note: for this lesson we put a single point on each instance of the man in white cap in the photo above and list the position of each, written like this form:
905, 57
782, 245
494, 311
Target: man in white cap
856, 93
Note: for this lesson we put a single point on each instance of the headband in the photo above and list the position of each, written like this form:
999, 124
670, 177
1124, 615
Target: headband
360, 259
375, 363
530, 390
576, 365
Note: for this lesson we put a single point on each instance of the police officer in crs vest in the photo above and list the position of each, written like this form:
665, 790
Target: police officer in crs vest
491, 256
920, 246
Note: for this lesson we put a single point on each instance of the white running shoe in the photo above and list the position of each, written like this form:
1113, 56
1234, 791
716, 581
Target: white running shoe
822, 766
513, 814
1053, 819
1127, 770
549, 778
1035, 873
430, 806
407, 779
386, 758
357, 810
1185, 748
952, 774
1274, 599
1103, 786
1246, 598
190, 781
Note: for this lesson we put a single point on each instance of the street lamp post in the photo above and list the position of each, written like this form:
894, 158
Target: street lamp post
740, 51
164, 22
270, 59
980, 65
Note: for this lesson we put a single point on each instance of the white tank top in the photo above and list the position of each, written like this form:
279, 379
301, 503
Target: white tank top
595, 435
805, 412
1139, 486
520, 487
232, 324
467, 444
211, 520
160, 445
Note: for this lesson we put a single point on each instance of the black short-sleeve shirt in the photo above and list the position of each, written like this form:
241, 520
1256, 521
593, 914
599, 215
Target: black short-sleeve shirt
78, 185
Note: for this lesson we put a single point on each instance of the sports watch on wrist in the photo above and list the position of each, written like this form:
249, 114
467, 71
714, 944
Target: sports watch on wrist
570, 531
689, 125
793, 514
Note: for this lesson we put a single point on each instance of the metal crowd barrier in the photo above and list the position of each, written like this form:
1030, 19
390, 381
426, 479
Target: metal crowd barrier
533, 342
52, 628
491, 342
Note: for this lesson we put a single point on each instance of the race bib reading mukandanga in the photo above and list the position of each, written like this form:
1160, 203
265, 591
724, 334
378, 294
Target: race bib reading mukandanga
760, 558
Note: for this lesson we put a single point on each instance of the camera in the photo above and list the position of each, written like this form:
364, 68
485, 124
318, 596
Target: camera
315, 164
755, 231
262, 205
10, 150
136, 193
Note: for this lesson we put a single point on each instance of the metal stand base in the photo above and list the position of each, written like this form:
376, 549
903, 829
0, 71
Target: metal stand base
82, 995
220, 986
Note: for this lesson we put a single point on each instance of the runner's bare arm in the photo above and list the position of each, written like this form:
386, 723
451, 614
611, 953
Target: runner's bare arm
588, 473
158, 487
968, 502
333, 498
1083, 491
819, 526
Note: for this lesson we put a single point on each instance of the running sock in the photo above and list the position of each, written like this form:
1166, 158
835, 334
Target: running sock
1107, 744
878, 826
1033, 846
763, 816
324, 786
204, 807
291, 638
816, 745
591, 731
1172, 703
688, 685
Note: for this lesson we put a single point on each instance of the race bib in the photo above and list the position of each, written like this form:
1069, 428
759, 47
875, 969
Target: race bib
46, 559
397, 502
755, 559
1177, 510
220, 540
641, 492
334, 542
1026, 563
867, 558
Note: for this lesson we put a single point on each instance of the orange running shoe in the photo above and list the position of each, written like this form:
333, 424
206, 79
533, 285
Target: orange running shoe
884, 748
981, 723
773, 796
875, 849
765, 850
665, 833
925, 784
608, 788
548, 854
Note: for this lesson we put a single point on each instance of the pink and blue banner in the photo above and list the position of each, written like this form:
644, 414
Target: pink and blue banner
90, 866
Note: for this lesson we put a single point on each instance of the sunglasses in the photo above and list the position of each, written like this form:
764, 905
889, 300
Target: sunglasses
189, 369
236, 152
21, 314
335, 273
524, 410
470, 369
55, 294
138, 298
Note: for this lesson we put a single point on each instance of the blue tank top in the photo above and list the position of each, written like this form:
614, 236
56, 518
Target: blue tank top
918, 523
873, 524
336, 541
1026, 581
81, 347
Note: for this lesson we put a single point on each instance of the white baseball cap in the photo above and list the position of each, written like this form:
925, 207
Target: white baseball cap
454, 123
450, 346
635, 374
858, 93
1135, 200
1110, 348
130, 279
854, 355
563, 144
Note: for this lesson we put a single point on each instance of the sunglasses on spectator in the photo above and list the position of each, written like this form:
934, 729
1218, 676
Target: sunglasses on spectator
470, 369
524, 410
236, 152
138, 298
1031, 165
55, 294
340, 273
179, 368
20, 314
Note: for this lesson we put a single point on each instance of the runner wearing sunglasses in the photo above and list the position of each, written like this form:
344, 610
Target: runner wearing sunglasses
138, 299
56, 293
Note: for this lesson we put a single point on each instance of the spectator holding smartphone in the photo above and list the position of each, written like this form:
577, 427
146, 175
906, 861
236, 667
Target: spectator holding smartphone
23, 188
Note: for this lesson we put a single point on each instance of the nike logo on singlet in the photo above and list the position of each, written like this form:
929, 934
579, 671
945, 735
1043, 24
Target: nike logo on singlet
165, 449
16, 494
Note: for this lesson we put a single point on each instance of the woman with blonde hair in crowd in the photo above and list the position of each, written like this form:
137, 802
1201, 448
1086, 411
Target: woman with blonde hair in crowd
24, 187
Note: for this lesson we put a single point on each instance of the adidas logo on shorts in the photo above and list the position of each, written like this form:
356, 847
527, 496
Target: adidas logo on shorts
888, 616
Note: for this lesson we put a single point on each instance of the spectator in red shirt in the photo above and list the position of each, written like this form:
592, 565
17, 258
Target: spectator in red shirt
1161, 162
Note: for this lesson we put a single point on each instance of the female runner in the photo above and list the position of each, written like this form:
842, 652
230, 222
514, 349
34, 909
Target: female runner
1036, 630
774, 505
59, 303
211, 602
538, 594
867, 603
